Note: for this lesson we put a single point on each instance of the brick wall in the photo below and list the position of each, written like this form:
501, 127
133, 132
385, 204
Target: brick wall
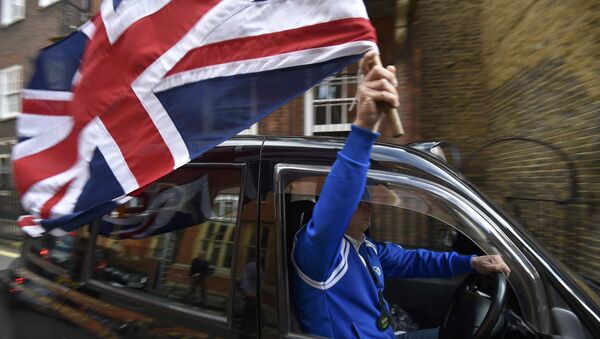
490, 71
22, 40
452, 88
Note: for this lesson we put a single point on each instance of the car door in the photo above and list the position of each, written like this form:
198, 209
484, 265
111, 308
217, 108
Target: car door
33, 288
163, 265
410, 211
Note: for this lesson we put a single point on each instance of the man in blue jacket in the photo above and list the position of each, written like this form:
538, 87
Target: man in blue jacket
338, 272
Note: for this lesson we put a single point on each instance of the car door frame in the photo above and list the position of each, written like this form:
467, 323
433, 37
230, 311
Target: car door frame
492, 228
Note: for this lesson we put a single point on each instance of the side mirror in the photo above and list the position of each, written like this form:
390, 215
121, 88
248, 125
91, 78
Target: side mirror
436, 148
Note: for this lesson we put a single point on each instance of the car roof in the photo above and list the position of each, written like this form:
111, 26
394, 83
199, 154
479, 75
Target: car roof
323, 151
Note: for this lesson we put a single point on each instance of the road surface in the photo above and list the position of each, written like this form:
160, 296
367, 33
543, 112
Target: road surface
6, 257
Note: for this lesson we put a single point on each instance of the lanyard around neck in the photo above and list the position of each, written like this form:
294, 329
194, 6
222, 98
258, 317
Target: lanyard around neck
384, 319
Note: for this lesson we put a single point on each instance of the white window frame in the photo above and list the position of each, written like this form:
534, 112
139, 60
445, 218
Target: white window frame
46, 3
11, 84
11, 11
5, 175
253, 130
310, 104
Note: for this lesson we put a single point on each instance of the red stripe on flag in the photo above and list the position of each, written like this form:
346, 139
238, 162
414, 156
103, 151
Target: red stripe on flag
46, 107
47, 208
139, 141
320, 35
54, 160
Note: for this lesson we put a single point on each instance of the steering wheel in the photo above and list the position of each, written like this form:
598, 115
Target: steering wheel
476, 307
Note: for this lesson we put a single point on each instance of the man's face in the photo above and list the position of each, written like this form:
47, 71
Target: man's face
361, 219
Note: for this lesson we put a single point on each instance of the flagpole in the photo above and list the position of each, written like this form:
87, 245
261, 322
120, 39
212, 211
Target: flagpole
391, 113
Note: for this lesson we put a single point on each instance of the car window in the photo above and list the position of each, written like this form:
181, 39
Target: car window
401, 215
410, 211
175, 239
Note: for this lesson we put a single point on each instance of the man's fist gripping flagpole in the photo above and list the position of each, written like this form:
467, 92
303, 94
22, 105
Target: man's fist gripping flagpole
370, 61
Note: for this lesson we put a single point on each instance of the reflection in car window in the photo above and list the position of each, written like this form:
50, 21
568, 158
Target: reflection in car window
175, 239
66, 251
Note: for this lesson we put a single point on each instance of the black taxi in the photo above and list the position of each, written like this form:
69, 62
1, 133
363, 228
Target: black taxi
204, 252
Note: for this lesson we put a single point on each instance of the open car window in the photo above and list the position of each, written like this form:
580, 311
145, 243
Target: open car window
416, 213
411, 216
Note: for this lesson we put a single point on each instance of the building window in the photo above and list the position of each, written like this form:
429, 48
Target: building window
328, 103
252, 130
11, 11
10, 91
5, 171
46, 3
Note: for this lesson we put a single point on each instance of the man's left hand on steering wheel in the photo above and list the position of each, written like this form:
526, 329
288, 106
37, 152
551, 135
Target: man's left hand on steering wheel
488, 264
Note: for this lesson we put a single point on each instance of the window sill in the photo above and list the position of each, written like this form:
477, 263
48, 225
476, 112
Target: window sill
332, 128
11, 23
8, 116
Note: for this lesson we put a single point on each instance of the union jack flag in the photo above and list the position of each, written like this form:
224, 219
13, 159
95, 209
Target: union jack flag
145, 86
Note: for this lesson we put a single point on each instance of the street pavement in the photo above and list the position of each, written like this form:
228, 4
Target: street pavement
6, 257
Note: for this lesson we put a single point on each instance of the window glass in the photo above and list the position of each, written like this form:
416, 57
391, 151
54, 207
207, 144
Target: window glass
175, 239
66, 251
10, 91
5, 173
331, 100
400, 215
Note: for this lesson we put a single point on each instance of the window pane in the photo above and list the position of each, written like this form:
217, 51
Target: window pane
334, 95
336, 114
335, 90
175, 240
323, 91
321, 115
14, 103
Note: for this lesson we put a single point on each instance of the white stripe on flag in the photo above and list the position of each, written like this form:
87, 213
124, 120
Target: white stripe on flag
87, 142
161, 119
38, 94
305, 57
276, 16
114, 158
127, 14
45, 131
33, 231
89, 29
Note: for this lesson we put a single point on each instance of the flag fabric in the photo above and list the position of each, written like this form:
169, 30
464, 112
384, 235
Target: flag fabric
170, 208
145, 86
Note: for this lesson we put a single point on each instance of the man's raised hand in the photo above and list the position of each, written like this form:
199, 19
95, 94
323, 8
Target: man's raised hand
378, 86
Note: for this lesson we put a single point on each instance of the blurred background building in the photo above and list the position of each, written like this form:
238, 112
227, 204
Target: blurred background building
511, 87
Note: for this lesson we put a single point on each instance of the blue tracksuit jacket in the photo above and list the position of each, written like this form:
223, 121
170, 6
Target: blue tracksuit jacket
334, 294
